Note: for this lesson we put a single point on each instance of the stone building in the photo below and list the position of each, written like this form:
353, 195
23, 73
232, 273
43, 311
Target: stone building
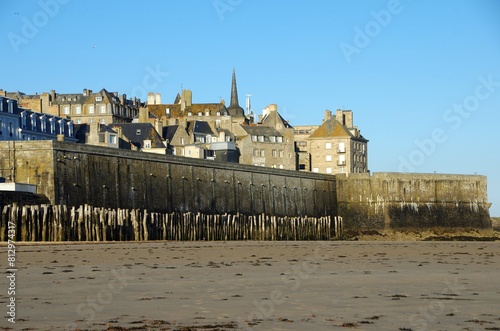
141, 137
17, 123
101, 107
96, 134
269, 143
336, 146
198, 139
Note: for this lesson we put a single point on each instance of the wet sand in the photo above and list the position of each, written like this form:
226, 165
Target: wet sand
256, 286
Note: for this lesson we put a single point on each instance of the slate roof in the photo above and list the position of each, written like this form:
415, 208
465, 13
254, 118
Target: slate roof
81, 130
199, 127
136, 133
332, 128
169, 132
261, 131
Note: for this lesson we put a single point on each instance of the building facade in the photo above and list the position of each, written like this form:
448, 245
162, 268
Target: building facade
83, 108
335, 147
18, 123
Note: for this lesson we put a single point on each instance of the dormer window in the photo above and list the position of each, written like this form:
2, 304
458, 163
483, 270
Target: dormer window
218, 113
200, 113
98, 99
23, 120
147, 144
61, 127
10, 106
33, 122
138, 132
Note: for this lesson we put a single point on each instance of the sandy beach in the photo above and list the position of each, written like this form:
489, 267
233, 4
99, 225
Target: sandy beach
255, 286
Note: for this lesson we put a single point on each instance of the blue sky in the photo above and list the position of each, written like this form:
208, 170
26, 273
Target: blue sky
422, 77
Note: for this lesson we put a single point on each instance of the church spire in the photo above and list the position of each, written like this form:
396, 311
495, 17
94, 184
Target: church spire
234, 92
234, 107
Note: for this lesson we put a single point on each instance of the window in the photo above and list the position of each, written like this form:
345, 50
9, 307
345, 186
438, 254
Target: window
274, 153
102, 121
315, 169
280, 139
207, 113
33, 122
181, 141
302, 166
23, 120
281, 166
66, 110
341, 147
102, 138
147, 144
91, 120
98, 99
91, 109
167, 111
112, 139
138, 132
52, 126
256, 152
262, 153
254, 138
341, 160
328, 158
70, 129
190, 114
328, 145
11, 129
103, 109
61, 127
182, 151
260, 138
281, 153
78, 109
328, 170
43, 124
200, 113
218, 113
273, 139
10, 106
78, 121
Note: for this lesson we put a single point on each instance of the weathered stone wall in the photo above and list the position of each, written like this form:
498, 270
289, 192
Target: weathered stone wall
397, 201
74, 174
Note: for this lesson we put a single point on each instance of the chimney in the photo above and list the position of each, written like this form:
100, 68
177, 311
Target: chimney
186, 99
151, 98
158, 99
85, 92
52, 95
328, 115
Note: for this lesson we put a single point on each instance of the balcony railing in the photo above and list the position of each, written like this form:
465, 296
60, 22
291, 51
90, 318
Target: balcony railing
341, 163
341, 150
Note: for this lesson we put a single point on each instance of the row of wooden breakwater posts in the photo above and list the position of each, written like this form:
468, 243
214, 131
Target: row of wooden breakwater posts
87, 223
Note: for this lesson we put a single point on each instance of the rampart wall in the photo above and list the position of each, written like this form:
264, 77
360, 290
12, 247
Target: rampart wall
398, 200
74, 174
